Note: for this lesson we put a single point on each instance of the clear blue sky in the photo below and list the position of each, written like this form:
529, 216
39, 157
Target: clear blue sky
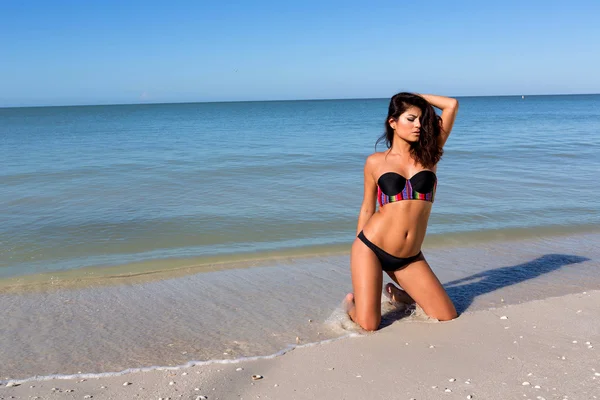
102, 52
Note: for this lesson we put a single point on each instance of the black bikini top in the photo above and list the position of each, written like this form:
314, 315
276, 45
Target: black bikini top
392, 187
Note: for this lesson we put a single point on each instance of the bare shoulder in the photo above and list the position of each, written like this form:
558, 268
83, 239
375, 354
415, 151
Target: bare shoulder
373, 164
375, 159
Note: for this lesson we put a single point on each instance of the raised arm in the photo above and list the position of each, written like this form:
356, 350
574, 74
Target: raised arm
367, 209
449, 107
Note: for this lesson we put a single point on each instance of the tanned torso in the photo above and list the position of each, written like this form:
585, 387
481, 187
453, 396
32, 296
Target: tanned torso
398, 228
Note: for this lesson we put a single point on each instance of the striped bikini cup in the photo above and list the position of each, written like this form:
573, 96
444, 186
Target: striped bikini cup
392, 187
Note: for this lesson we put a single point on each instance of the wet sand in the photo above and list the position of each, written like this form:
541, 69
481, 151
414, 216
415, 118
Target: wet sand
258, 311
543, 349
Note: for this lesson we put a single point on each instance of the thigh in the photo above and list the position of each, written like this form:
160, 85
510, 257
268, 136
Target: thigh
419, 281
367, 278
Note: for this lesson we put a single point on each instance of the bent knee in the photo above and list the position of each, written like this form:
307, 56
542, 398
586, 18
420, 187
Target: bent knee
370, 326
368, 323
446, 315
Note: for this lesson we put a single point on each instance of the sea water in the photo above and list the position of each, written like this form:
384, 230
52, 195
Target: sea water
155, 235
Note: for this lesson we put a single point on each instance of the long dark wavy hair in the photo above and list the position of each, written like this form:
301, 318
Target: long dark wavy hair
426, 150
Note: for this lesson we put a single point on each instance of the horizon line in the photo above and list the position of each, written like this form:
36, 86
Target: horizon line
281, 100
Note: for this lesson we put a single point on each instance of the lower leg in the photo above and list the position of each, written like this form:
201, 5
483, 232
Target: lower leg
395, 294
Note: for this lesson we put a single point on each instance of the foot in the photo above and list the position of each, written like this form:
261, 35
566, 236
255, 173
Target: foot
397, 295
349, 302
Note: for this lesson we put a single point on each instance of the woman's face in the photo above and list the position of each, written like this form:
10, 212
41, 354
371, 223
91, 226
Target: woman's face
408, 124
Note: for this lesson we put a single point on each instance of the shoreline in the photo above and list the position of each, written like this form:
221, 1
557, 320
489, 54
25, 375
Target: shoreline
153, 270
189, 364
516, 351
195, 317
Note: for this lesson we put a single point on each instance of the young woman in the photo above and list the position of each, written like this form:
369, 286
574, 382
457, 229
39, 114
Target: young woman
402, 180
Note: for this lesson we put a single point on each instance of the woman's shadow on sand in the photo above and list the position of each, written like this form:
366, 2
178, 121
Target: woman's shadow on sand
463, 291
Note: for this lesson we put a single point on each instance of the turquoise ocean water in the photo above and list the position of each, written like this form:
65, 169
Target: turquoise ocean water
99, 191
113, 185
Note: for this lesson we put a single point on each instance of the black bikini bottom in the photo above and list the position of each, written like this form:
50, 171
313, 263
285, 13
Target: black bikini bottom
388, 261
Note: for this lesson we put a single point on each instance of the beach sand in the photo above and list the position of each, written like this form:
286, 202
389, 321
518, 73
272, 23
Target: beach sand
543, 349
257, 311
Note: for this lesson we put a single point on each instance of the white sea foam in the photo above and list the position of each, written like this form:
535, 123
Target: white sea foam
189, 364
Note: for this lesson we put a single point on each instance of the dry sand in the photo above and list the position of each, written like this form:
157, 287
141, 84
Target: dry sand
545, 349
